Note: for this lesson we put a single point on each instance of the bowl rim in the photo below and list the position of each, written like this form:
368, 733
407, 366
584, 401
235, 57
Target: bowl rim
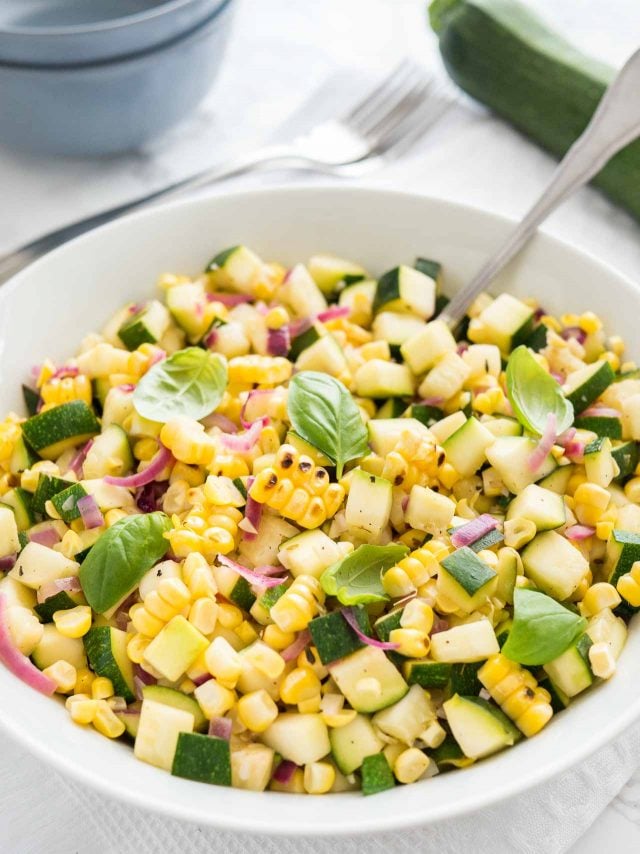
379, 821
166, 8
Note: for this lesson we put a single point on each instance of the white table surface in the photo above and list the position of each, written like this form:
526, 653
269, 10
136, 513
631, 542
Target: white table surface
283, 49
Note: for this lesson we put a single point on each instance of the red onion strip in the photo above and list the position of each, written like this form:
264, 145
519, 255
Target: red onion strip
229, 300
467, 534
600, 412
221, 421
350, 617
221, 728
245, 441
77, 461
71, 584
90, 512
294, 649
334, 312
18, 663
155, 467
545, 444
7, 562
45, 537
284, 772
253, 577
579, 532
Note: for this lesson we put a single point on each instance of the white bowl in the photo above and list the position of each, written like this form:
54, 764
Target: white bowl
46, 309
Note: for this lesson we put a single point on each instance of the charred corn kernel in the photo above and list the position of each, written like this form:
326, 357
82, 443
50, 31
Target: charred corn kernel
628, 585
276, 638
516, 691
269, 662
60, 390
411, 642
229, 616
598, 597
257, 710
397, 583
592, 495
74, 622
136, 648
246, 632
632, 489
602, 660
82, 710
101, 688
319, 777
410, 765
299, 685
433, 735
203, 614
193, 475
277, 317
144, 622
145, 449
187, 441
418, 615
214, 699
63, 675
264, 370
223, 662
518, 532
107, 722
298, 605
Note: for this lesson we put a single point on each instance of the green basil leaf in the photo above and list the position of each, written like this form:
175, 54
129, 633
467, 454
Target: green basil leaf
542, 628
534, 394
357, 578
323, 412
122, 555
191, 382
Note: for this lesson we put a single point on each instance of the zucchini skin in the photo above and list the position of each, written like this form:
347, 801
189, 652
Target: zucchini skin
504, 56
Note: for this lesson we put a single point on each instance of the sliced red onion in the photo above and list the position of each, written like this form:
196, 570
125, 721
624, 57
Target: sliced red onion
244, 442
558, 377
432, 401
71, 584
350, 617
294, 649
575, 451
299, 326
229, 300
7, 562
77, 461
462, 348
149, 497
45, 537
601, 412
284, 772
253, 577
252, 515
257, 392
158, 356
440, 624
211, 338
404, 503
221, 421
121, 619
35, 371
200, 680
117, 704
278, 341
467, 534
566, 437
574, 332
547, 441
579, 532
18, 663
127, 387
66, 371
142, 478
221, 728
539, 313
333, 313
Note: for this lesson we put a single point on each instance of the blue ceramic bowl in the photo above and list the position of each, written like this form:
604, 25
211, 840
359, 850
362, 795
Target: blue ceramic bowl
110, 107
66, 32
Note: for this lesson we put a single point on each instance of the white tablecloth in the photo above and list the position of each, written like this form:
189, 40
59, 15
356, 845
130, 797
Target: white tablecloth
281, 51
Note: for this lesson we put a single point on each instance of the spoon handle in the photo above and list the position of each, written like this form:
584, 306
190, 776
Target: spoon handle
615, 123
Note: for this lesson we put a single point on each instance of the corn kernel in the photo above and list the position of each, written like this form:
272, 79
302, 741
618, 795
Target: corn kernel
82, 710
257, 710
418, 615
84, 680
602, 660
102, 688
63, 674
335, 720
629, 589
223, 662
136, 648
397, 583
214, 699
433, 735
269, 662
632, 490
229, 616
592, 495
246, 633
299, 685
203, 614
319, 777
144, 622
276, 638
107, 722
518, 532
598, 597
410, 765
411, 642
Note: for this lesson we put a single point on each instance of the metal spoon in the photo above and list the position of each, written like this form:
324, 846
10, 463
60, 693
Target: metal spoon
615, 123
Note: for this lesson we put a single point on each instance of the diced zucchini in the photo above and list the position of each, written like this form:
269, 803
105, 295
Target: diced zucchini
395, 328
305, 339
175, 698
130, 717
408, 718
554, 565
384, 433
466, 448
395, 407
505, 322
378, 378
427, 415
309, 553
428, 510
503, 426
479, 728
507, 570
61, 601
446, 427
236, 268
585, 385
601, 468
22, 457
325, 355
37, 564
376, 775
422, 350
21, 503
146, 326
66, 502
510, 455
55, 646
464, 678
187, 304
449, 754
117, 408
488, 540
369, 502
251, 767
446, 378
571, 671
51, 432
427, 674
334, 638
623, 550
466, 580
352, 743
541, 506
302, 293
468, 642
626, 456
558, 480
430, 268
368, 680
408, 290
110, 454
159, 728
108, 496
9, 541
328, 271
299, 738
482, 359
600, 424
106, 649
359, 299
31, 399
204, 758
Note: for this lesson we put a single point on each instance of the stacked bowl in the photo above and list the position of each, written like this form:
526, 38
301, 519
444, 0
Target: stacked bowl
106, 76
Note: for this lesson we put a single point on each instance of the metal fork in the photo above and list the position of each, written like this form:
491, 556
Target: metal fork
384, 125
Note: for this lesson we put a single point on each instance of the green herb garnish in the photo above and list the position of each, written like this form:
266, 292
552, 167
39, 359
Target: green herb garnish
542, 628
534, 394
357, 578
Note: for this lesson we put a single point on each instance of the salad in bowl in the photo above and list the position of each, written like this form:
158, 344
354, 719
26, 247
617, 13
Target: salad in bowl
280, 528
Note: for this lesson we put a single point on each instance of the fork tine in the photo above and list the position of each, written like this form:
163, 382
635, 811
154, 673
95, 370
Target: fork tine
409, 101
407, 131
380, 92
379, 107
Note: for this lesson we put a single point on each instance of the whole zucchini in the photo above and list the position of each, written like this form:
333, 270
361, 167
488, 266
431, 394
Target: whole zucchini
505, 56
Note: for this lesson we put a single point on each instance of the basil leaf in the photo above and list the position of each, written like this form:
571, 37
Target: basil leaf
542, 628
534, 394
122, 555
357, 578
323, 412
191, 382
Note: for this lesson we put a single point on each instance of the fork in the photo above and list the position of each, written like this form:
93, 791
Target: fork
380, 128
